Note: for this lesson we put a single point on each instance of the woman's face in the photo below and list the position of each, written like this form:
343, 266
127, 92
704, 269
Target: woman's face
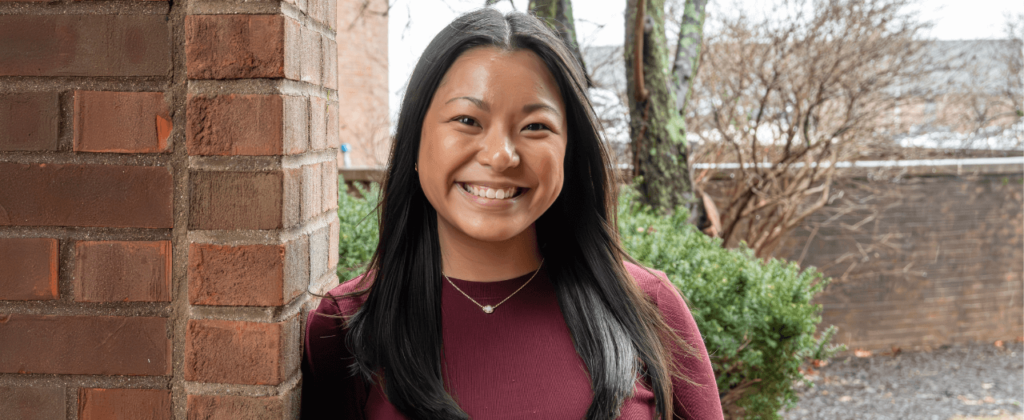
493, 144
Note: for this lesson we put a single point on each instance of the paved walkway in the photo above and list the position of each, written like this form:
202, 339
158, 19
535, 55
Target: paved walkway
977, 381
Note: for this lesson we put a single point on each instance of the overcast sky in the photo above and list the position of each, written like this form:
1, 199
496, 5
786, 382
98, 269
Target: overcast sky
413, 23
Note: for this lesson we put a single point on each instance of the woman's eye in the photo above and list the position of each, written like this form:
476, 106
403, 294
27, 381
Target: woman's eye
466, 120
535, 127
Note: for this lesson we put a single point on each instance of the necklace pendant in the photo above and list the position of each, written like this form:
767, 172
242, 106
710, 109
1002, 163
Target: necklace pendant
488, 309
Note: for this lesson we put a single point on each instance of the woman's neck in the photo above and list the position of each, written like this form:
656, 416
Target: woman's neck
470, 259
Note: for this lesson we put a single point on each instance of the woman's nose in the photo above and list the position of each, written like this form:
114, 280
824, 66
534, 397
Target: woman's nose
498, 151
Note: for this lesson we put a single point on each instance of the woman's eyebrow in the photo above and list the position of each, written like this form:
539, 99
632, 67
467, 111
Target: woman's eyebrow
533, 107
479, 103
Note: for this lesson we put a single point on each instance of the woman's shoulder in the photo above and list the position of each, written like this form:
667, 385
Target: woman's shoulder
338, 302
665, 296
653, 282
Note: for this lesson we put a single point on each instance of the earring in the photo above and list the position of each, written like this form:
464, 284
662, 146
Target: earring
416, 167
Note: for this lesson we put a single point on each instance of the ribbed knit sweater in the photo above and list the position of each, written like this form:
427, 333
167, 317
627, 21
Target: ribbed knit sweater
515, 363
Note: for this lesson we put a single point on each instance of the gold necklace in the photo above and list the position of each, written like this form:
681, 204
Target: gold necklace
488, 308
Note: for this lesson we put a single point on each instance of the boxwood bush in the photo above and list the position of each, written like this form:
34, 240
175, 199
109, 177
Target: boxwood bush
358, 231
756, 316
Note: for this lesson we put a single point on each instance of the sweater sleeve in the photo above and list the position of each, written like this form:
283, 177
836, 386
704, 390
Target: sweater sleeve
329, 390
699, 401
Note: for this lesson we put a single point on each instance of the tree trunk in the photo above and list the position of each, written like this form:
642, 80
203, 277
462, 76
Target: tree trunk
558, 15
656, 101
687, 60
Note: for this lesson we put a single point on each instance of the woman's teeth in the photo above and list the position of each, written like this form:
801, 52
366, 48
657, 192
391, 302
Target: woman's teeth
499, 194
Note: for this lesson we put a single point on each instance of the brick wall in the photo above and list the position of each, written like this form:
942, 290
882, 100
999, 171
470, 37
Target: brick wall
927, 261
167, 204
363, 74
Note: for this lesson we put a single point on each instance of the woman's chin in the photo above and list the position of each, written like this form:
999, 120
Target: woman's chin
492, 235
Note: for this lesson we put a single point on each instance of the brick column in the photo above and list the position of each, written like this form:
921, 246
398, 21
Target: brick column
168, 194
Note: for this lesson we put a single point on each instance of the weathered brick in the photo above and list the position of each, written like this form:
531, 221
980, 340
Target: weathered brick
312, 56
235, 46
237, 200
126, 404
330, 54
85, 45
330, 185
238, 352
312, 191
333, 139
319, 253
244, 275
121, 122
317, 9
292, 196
296, 126
42, 194
29, 267
332, 245
123, 271
233, 407
33, 403
317, 123
84, 345
235, 125
292, 48
28, 121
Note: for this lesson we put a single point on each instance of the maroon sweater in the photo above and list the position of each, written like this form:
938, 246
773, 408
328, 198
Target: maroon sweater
516, 363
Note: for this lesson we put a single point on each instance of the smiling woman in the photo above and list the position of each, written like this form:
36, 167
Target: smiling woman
498, 289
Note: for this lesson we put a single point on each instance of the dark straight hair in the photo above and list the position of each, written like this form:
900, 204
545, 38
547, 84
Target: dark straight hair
396, 334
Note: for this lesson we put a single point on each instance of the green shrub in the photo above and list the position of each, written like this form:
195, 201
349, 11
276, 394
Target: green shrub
358, 233
755, 316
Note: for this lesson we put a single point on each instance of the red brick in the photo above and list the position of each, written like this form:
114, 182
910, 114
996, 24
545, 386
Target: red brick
312, 191
123, 271
235, 125
330, 48
33, 403
235, 46
28, 121
124, 404
317, 123
333, 125
85, 195
84, 345
312, 56
29, 267
237, 200
85, 45
233, 407
121, 122
245, 275
238, 352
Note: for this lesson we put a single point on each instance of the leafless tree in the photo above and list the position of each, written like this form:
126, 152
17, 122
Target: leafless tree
787, 96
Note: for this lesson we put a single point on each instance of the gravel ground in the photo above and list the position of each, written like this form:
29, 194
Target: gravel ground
951, 383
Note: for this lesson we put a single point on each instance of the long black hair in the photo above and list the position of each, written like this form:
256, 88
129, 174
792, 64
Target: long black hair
396, 334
